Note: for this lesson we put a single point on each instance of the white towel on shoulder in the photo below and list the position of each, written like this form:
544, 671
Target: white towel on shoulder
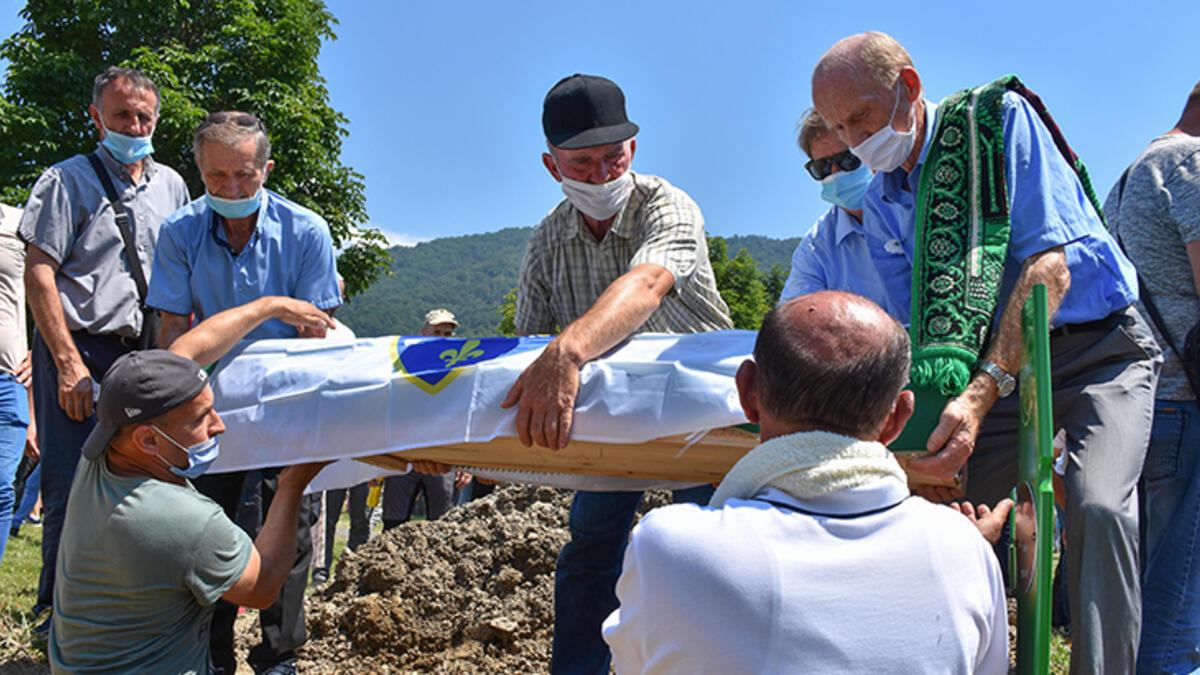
806, 465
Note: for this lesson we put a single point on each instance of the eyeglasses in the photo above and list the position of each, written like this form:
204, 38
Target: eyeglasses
821, 167
241, 119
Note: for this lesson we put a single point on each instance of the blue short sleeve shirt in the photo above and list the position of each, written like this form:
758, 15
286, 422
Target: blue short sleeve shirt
836, 255
1047, 208
289, 254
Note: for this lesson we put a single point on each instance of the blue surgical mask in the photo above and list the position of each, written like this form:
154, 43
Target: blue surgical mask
235, 208
126, 149
200, 456
846, 188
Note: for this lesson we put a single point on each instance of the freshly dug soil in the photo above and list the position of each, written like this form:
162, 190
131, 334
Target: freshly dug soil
470, 593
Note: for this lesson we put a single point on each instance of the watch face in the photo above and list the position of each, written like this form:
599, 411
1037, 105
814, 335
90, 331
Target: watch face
1005, 383
1006, 386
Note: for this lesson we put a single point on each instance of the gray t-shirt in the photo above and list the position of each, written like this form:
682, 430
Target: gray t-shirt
1157, 216
12, 291
140, 564
70, 219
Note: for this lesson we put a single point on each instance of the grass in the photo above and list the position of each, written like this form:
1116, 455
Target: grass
18, 591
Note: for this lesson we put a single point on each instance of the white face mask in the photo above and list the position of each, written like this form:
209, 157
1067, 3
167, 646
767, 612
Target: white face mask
887, 148
599, 201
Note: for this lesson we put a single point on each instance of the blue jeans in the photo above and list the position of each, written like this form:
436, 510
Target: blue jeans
1170, 537
585, 579
60, 439
14, 419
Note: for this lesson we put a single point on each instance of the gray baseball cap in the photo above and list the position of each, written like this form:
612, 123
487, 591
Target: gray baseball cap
141, 386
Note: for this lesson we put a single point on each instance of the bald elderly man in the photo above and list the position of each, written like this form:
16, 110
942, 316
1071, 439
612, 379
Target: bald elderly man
974, 197
812, 556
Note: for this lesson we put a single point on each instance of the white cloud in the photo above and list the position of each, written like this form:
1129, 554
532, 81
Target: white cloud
402, 239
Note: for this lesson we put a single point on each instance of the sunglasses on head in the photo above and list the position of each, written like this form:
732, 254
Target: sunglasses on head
820, 168
239, 118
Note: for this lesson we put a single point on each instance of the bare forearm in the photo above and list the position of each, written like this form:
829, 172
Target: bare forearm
276, 541
210, 339
1048, 267
48, 313
617, 313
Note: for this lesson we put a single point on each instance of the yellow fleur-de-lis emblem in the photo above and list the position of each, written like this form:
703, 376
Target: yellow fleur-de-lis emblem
465, 352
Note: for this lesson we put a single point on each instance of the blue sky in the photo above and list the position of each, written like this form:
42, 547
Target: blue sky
444, 98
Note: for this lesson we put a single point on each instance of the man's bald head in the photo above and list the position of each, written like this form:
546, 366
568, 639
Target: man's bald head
831, 360
872, 55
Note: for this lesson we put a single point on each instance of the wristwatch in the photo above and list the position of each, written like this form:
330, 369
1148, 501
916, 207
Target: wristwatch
1005, 383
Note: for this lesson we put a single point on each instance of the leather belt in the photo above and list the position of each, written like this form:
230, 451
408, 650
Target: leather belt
1105, 324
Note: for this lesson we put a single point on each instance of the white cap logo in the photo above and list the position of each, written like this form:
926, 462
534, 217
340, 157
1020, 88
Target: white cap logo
202, 375
133, 412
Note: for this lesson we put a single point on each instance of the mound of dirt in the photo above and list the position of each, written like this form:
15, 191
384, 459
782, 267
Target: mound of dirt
472, 592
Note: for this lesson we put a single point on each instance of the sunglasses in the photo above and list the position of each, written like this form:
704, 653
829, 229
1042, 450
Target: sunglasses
239, 118
820, 168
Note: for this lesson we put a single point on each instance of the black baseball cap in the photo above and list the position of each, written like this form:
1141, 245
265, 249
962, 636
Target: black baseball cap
582, 111
141, 386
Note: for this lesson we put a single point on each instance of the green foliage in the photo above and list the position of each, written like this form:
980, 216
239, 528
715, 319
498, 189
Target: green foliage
508, 313
203, 55
474, 277
742, 285
774, 282
469, 276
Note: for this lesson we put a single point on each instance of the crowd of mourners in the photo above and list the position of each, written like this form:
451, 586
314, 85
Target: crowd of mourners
812, 555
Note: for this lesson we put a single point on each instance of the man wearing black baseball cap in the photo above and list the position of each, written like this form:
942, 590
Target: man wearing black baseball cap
624, 253
144, 555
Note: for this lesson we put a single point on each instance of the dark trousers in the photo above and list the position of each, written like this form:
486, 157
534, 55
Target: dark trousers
61, 439
400, 493
282, 624
360, 522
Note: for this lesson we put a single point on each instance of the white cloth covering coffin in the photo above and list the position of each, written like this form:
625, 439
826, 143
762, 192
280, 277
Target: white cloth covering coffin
290, 401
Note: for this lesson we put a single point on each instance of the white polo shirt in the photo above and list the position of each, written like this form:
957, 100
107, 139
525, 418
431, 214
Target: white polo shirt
759, 588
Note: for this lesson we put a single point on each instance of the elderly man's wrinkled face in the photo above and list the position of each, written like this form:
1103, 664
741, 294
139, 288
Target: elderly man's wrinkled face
232, 171
596, 165
855, 107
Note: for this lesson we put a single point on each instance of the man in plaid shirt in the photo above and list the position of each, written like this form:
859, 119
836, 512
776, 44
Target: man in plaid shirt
624, 253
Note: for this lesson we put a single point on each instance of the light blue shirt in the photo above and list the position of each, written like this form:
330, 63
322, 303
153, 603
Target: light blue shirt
835, 256
290, 253
1047, 208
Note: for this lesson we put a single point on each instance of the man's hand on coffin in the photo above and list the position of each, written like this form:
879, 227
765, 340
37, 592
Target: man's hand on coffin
300, 475
545, 398
953, 441
308, 320
989, 521
429, 468
461, 478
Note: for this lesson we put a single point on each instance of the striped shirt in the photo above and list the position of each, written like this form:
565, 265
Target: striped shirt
565, 270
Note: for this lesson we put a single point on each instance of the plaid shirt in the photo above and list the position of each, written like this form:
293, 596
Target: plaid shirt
565, 269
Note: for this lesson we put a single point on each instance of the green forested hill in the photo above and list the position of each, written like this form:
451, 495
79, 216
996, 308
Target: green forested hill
469, 276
